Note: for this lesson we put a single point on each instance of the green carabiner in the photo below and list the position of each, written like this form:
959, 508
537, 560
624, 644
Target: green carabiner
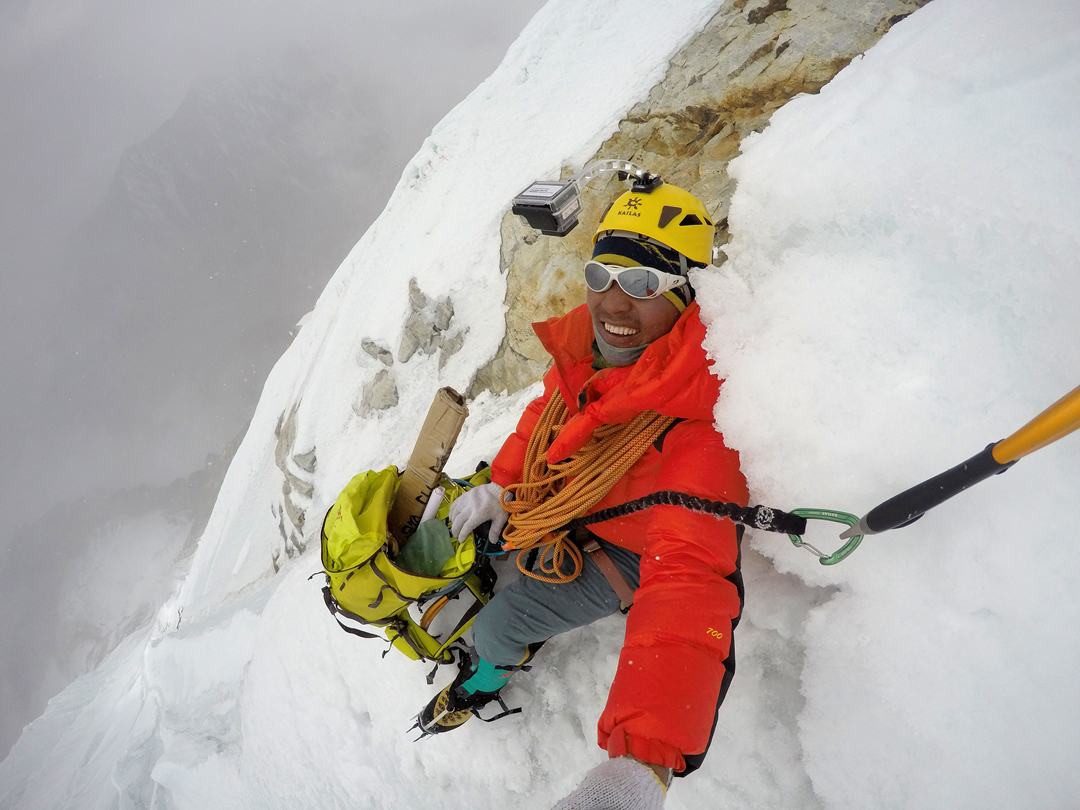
836, 517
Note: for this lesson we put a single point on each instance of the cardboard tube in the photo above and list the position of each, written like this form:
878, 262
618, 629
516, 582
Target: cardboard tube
422, 473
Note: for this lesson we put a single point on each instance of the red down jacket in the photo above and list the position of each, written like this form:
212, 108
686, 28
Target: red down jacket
662, 704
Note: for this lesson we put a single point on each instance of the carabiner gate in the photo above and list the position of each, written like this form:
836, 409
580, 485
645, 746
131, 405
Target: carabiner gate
836, 517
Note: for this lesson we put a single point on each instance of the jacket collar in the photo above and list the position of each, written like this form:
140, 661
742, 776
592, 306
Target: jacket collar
672, 377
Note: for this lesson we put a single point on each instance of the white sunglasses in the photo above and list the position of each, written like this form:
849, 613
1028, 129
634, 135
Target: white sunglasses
637, 282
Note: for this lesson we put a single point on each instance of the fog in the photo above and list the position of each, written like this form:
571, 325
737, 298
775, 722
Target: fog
178, 180
122, 362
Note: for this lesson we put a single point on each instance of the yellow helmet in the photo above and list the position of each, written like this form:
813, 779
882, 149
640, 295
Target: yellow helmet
672, 216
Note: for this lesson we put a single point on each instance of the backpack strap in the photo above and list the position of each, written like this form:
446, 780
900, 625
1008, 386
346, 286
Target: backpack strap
386, 586
337, 610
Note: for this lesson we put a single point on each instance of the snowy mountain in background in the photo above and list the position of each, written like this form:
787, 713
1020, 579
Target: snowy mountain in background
231, 213
901, 290
210, 244
112, 561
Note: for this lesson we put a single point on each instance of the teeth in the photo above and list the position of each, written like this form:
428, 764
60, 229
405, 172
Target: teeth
620, 330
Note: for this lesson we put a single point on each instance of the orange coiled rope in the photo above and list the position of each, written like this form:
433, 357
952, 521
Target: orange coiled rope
550, 496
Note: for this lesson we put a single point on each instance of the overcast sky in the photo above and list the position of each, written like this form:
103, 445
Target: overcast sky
178, 180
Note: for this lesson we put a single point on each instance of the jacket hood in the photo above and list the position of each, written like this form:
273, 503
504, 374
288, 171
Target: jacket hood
672, 377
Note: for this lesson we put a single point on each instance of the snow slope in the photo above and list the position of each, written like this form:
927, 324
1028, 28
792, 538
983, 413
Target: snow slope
901, 292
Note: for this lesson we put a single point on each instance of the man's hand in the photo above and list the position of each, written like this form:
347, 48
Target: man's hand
479, 505
622, 782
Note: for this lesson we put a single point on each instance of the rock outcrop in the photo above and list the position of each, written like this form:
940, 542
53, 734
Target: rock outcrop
751, 58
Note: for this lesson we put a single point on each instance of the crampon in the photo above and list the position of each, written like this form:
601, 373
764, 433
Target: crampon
455, 704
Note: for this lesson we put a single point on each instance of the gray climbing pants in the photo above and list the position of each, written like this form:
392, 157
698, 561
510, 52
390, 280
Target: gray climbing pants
528, 611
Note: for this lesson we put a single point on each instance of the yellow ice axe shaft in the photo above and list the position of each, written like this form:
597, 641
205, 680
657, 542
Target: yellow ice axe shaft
1060, 419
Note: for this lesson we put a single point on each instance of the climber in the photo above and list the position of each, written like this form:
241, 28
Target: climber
630, 378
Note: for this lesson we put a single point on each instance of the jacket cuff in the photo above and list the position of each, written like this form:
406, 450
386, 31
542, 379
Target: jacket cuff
621, 744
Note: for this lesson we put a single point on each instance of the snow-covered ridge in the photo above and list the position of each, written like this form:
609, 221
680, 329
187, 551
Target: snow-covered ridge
901, 291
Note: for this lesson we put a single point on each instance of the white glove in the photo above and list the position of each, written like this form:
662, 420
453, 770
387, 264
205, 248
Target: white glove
479, 505
621, 783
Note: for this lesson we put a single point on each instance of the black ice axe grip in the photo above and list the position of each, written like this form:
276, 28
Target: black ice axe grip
911, 504
1060, 419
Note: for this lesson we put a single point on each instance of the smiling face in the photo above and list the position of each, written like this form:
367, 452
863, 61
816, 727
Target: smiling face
626, 322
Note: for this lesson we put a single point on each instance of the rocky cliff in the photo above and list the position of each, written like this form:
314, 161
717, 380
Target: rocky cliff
749, 60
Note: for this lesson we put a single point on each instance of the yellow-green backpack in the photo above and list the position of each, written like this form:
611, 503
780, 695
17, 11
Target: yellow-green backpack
365, 584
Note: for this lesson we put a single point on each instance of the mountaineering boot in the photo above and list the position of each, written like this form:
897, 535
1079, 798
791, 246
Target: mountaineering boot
477, 684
